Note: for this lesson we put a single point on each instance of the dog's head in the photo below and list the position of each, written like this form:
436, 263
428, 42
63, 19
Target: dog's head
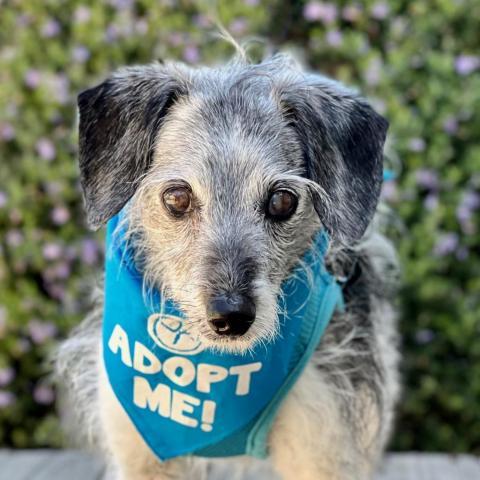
228, 174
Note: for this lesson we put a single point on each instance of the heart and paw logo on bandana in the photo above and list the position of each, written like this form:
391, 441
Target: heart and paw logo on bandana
169, 332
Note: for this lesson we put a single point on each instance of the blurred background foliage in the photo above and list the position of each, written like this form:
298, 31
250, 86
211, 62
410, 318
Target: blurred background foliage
418, 61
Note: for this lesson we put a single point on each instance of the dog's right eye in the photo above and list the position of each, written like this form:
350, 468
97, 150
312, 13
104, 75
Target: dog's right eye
177, 200
281, 205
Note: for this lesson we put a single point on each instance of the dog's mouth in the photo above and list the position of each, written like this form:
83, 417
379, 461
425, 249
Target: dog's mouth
257, 333
226, 343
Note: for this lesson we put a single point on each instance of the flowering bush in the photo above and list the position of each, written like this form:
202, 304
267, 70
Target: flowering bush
417, 61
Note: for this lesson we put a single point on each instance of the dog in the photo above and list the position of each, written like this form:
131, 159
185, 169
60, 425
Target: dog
225, 175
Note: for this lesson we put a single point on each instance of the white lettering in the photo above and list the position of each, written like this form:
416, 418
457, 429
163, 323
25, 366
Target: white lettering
156, 400
244, 373
181, 404
186, 367
119, 340
208, 374
142, 353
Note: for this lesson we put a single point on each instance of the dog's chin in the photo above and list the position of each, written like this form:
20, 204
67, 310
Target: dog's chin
234, 344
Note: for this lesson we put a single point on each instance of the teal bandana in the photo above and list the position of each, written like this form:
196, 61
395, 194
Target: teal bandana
184, 398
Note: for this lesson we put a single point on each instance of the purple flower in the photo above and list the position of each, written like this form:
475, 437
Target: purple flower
450, 125
3, 199
46, 149
431, 201
465, 210
59, 86
112, 33
53, 188
424, 336
52, 251
380, 10
62, 270
427, 178
89, 253
70, 253
32, 78
48, 274
351, 13
121, 4
239, 26
41, 331
191, 54
6, 398
399, 27
43, 394
14, 238
251, 3
319, 11
334, 38
60, 215
389, 191
23, 20
51, 28
6, 376
175, 39
7, 132
141, 26
446, 244
80, 54
373, 72
201, 20
466, 64
471, 200
464, 214
56, 291
462, 253
416, 144
82, 14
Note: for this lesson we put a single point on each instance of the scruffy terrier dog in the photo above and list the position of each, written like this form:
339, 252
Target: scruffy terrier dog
225, 175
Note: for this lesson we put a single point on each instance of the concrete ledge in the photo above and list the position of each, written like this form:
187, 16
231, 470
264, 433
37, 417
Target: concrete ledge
73, 465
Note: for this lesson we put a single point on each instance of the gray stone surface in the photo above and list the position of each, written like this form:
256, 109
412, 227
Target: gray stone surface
73, 465
48, 465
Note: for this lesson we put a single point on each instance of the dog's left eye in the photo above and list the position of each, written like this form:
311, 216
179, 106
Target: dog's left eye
281, 205
177, 200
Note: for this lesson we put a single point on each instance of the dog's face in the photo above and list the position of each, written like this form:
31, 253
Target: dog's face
229, 173
224, 213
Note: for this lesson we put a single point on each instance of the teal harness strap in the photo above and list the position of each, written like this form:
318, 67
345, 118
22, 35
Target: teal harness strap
332, 298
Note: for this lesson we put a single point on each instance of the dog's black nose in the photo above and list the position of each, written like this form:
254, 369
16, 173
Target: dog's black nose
231, 314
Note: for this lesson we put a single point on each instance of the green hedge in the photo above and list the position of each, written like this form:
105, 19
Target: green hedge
418, 61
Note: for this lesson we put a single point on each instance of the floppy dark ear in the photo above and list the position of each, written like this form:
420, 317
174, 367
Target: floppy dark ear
119, 120
342, 139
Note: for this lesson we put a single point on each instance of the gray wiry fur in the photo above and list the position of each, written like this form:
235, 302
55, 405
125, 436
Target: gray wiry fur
233, 135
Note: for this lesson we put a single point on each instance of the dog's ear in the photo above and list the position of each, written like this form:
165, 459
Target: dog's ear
119, 121
342, 139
